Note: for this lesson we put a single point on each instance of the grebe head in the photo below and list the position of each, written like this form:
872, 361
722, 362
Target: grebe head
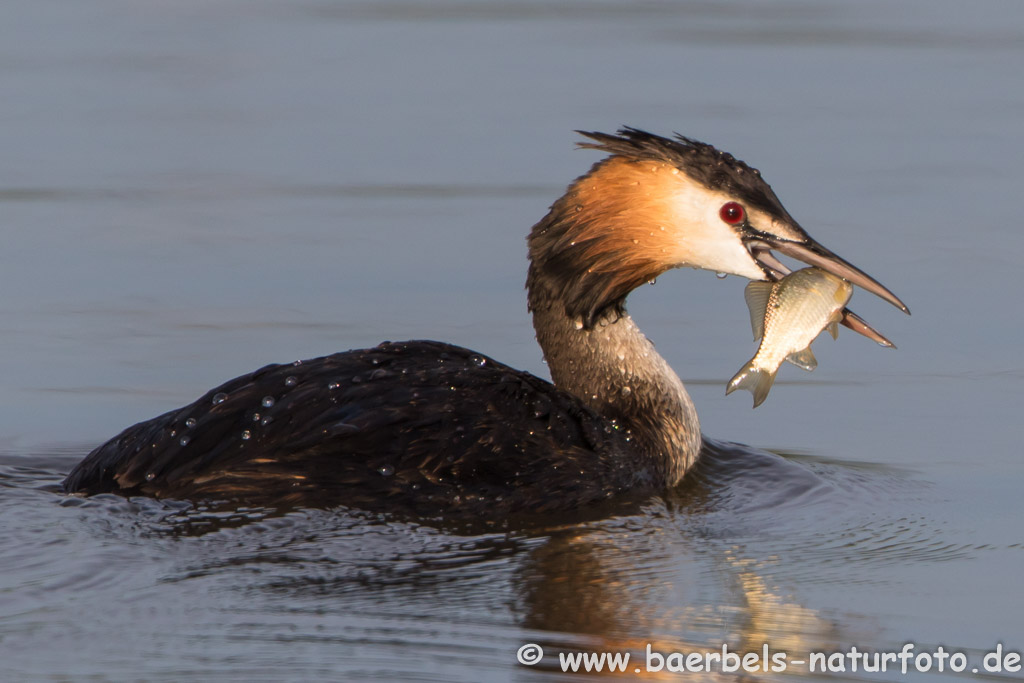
658, 203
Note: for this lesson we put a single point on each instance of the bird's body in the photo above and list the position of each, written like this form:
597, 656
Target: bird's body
289, 434
436, 428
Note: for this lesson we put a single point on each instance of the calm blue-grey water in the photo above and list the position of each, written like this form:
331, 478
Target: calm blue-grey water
192, 189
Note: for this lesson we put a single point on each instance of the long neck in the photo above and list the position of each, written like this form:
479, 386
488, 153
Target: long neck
614, 369
604, 237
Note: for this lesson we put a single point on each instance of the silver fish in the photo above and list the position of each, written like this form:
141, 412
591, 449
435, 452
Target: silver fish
787, 315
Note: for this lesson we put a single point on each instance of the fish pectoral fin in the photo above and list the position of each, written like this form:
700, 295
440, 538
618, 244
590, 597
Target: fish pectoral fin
756, 295
803, 359
833, 329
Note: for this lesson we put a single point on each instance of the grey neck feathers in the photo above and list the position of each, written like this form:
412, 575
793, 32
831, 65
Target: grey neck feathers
615, 370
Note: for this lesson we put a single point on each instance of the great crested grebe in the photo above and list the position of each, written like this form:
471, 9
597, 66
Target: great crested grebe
436, 428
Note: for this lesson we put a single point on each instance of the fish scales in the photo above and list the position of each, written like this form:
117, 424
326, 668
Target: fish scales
787, 316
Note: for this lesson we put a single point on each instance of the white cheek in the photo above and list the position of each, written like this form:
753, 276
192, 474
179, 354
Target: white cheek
706, 241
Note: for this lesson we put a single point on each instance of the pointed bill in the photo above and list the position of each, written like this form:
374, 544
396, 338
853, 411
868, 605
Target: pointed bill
860, 326
814, 254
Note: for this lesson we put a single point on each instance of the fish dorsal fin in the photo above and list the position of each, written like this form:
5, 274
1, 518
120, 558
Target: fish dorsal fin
757, 294
833, 329
803, 359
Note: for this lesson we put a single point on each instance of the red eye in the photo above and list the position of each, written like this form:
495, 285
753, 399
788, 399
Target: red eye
732, 213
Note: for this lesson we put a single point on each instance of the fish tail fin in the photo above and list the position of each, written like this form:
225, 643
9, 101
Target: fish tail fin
757, 381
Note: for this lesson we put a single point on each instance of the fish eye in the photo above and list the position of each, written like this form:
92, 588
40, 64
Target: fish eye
732, 213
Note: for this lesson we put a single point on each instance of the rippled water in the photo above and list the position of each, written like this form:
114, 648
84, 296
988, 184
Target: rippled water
195, 189
194, 591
